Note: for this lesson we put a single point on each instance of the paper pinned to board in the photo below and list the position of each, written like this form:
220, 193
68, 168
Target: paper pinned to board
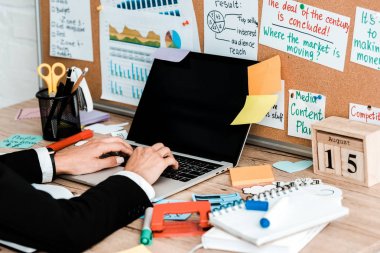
255, 109
70, 30
264, 78
170, 54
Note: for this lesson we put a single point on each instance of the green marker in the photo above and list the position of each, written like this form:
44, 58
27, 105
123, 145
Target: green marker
146, 237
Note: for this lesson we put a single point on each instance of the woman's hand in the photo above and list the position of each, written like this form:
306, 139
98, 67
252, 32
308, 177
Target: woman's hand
85, 159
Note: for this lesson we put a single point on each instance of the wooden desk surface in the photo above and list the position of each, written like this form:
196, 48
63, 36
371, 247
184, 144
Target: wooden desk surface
358, 232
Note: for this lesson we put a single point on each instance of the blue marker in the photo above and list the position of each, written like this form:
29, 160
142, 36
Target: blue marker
146, 237
274, 213
256, 205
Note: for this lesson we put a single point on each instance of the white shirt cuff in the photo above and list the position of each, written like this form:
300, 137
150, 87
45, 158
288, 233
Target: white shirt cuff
45, 164
148, 189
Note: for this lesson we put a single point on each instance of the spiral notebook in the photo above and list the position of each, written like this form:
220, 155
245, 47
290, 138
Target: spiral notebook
308, 207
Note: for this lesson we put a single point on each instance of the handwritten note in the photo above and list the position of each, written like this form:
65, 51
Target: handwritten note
366, 40
275, 117
70, 29
231, 28
304, 109
20, 141
364, 113
305, 31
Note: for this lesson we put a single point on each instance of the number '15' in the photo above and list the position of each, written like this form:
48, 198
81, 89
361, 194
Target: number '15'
350, 161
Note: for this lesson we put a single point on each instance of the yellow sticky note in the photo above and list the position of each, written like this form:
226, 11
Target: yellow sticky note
255, 109
251, 175
264, 78
138, 249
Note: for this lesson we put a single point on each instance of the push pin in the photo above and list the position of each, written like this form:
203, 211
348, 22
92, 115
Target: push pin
186, 23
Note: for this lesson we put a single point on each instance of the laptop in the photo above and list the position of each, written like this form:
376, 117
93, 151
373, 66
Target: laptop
188, 106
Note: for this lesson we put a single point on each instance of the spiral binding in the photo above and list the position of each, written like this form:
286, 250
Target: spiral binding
280, 190
237, 204
284, 189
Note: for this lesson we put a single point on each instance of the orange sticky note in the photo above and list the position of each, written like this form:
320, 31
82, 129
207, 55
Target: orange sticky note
264, 78
251, 175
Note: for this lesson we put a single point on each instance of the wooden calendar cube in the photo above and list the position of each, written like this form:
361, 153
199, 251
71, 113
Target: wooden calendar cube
347, 150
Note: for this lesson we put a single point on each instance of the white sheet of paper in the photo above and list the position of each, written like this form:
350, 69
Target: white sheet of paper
170, 54
305, 31
304, 109
366, 40
70, 29
125, 60
106, 129
231, 28
363, 113
275, 117
177, 8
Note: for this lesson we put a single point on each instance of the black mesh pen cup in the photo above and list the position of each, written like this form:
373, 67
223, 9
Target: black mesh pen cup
59, 115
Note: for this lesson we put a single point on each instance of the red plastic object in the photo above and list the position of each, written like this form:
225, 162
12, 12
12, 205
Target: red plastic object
180, 228
71, 140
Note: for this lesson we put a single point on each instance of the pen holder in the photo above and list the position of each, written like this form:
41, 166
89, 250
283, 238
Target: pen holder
59, 115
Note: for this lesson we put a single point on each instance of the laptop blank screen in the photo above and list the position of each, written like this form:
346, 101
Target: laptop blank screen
189, 106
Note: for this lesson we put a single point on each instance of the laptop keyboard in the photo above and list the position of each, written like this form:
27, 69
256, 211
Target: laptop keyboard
189, 168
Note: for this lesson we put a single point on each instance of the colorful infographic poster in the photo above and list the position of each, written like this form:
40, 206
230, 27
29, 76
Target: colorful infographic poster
304, 109
305, 31
231, 28
177, 8
127, 42
366, 40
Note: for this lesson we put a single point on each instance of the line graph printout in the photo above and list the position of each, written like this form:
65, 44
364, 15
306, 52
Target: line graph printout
305, 31
127, 42
231, 28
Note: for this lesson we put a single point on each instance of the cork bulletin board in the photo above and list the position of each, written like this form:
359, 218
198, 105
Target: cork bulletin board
356, 84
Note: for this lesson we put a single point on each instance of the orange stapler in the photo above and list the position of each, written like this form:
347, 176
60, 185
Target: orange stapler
180, 228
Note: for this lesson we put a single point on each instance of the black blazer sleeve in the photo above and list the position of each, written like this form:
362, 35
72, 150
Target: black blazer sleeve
25, 163
33, 218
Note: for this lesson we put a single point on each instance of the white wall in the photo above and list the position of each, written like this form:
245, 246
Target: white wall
18, 51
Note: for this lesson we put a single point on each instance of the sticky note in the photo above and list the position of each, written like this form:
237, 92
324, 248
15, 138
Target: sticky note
20, 141
292, 167
264, 78
255, 109
244, 176
28, 113
138, 249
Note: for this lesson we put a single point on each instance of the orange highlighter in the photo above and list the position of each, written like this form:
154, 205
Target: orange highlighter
71, 140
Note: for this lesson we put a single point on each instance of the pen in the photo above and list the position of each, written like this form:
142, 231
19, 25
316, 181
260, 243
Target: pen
274, 212
71, 140
146, 232
77, 83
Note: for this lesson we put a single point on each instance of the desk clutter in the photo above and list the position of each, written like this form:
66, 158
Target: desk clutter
290, 215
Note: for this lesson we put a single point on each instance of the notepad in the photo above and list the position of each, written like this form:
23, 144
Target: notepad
308, 207
220, 240
247, 176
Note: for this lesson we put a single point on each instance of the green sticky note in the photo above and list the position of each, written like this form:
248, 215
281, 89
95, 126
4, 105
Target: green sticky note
20, 141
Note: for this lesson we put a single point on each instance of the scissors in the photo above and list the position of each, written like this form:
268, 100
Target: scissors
52, 78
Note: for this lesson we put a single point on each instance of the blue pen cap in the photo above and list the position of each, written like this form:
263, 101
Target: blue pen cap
257, 205
264, 222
